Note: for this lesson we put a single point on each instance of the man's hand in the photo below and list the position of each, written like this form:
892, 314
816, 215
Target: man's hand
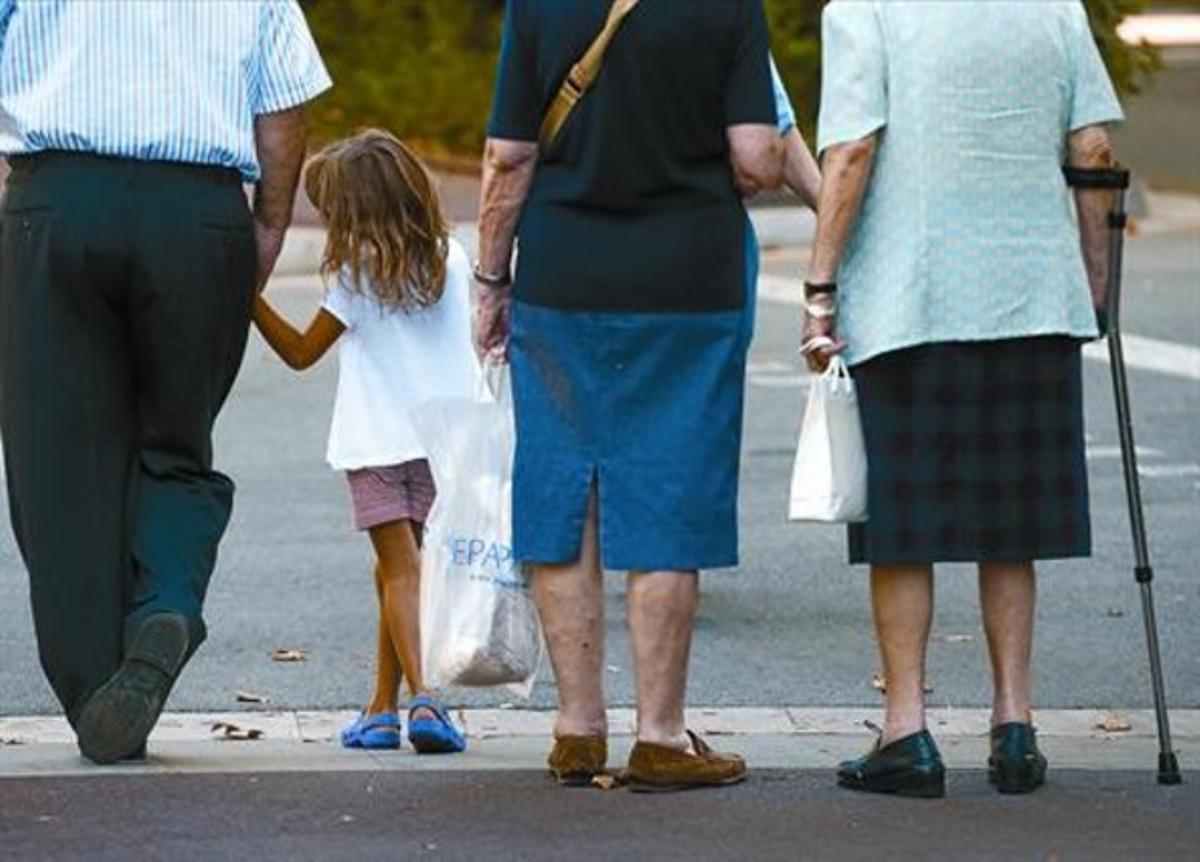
492, 323
269, 242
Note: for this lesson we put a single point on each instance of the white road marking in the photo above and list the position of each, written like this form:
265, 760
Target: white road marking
1152, 354
1096, 453
1141, 353
1169, 471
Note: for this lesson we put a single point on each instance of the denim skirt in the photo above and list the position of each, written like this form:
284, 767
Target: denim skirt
975, 453
644, 408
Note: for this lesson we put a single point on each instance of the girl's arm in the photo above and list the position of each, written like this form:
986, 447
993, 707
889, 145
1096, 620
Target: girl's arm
299, 350
800, 171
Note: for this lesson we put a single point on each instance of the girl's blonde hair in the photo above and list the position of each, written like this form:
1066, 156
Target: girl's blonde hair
384, 218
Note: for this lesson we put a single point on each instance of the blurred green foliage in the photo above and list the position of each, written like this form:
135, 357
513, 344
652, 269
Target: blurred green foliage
424, 67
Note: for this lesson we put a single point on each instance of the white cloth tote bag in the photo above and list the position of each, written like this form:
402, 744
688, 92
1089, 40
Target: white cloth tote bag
829, 477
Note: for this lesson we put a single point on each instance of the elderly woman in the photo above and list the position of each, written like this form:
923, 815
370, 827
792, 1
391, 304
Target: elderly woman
628, 340
947, 232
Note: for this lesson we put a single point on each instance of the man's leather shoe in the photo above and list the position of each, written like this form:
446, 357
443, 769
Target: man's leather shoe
117, 719
1016, 765
910, 766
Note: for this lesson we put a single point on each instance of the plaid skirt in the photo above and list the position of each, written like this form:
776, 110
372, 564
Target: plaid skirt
975, 453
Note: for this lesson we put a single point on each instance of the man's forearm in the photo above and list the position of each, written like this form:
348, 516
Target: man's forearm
280, 139
846, 171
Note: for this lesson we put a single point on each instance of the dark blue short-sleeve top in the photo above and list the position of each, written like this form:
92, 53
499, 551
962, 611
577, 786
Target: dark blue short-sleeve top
634, 208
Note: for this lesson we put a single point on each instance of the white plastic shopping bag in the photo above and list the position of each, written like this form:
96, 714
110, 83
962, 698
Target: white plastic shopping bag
829, 477
479, 624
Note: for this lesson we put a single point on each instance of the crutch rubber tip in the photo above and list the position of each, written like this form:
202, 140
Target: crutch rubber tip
1168, 769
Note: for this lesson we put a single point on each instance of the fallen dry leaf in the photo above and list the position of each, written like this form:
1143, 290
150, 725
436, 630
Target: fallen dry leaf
237, 733
880, 684
289, 655
606, 781
1114, 722
250, 697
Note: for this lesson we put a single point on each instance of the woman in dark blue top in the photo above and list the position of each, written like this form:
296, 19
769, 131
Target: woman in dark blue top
628, 337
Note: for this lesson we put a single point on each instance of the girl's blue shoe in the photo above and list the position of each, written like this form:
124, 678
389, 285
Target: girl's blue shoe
433, 735
380, 731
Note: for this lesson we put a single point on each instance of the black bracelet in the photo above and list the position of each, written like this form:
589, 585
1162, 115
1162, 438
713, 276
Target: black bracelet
495, 282
827, 289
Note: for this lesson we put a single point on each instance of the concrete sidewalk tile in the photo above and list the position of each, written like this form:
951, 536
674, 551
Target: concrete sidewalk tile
323, 726
622, 721
1185, 723
825, 721
198, 726
739, 721
491, 723
951, 721
35, 729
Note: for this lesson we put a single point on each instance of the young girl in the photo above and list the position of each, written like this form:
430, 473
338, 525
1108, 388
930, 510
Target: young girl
399, 309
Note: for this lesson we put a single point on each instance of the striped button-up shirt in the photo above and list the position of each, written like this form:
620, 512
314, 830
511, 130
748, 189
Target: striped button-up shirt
163, 80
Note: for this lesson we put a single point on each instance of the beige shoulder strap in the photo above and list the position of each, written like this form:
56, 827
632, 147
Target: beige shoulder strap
583, 74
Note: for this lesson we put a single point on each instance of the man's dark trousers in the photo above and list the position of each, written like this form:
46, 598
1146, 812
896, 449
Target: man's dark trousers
125, 296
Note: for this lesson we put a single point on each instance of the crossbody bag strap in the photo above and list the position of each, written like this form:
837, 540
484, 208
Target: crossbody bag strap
583, 74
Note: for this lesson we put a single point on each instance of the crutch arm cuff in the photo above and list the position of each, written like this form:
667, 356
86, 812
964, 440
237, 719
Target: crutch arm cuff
1096, 178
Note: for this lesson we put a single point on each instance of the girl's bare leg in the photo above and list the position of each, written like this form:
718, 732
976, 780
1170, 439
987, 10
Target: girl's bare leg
399, 554
388, 674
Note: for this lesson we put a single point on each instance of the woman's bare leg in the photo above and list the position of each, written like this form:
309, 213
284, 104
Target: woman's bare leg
1007, 596
386, 695
662, 614
570, 600
902, 600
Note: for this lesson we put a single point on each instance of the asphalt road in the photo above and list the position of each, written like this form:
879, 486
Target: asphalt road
790, 627
503, 816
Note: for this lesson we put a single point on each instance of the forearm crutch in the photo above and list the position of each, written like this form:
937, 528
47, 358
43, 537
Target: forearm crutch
1117, 181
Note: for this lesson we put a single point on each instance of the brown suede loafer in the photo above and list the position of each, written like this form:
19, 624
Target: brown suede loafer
576, 760
657, 769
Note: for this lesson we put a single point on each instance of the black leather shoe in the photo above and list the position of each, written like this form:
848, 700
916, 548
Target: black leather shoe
910, 766
117, 719
1016, 764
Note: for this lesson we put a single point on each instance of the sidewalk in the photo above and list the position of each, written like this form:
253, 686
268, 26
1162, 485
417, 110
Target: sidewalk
770, 738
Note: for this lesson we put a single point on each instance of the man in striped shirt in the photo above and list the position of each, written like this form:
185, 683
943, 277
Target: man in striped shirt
128, 267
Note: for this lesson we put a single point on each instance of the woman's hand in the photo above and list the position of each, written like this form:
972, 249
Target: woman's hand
818, 341
492, 322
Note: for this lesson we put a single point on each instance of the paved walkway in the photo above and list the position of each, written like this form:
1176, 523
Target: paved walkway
501, 739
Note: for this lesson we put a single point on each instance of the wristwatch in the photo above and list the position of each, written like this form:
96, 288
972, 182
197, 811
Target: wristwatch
492, 280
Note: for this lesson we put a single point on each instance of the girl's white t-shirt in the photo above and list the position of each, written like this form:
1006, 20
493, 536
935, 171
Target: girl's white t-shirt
391, 360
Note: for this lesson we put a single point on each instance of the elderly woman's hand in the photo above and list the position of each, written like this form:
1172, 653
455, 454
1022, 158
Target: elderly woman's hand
492, 322
819, 342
